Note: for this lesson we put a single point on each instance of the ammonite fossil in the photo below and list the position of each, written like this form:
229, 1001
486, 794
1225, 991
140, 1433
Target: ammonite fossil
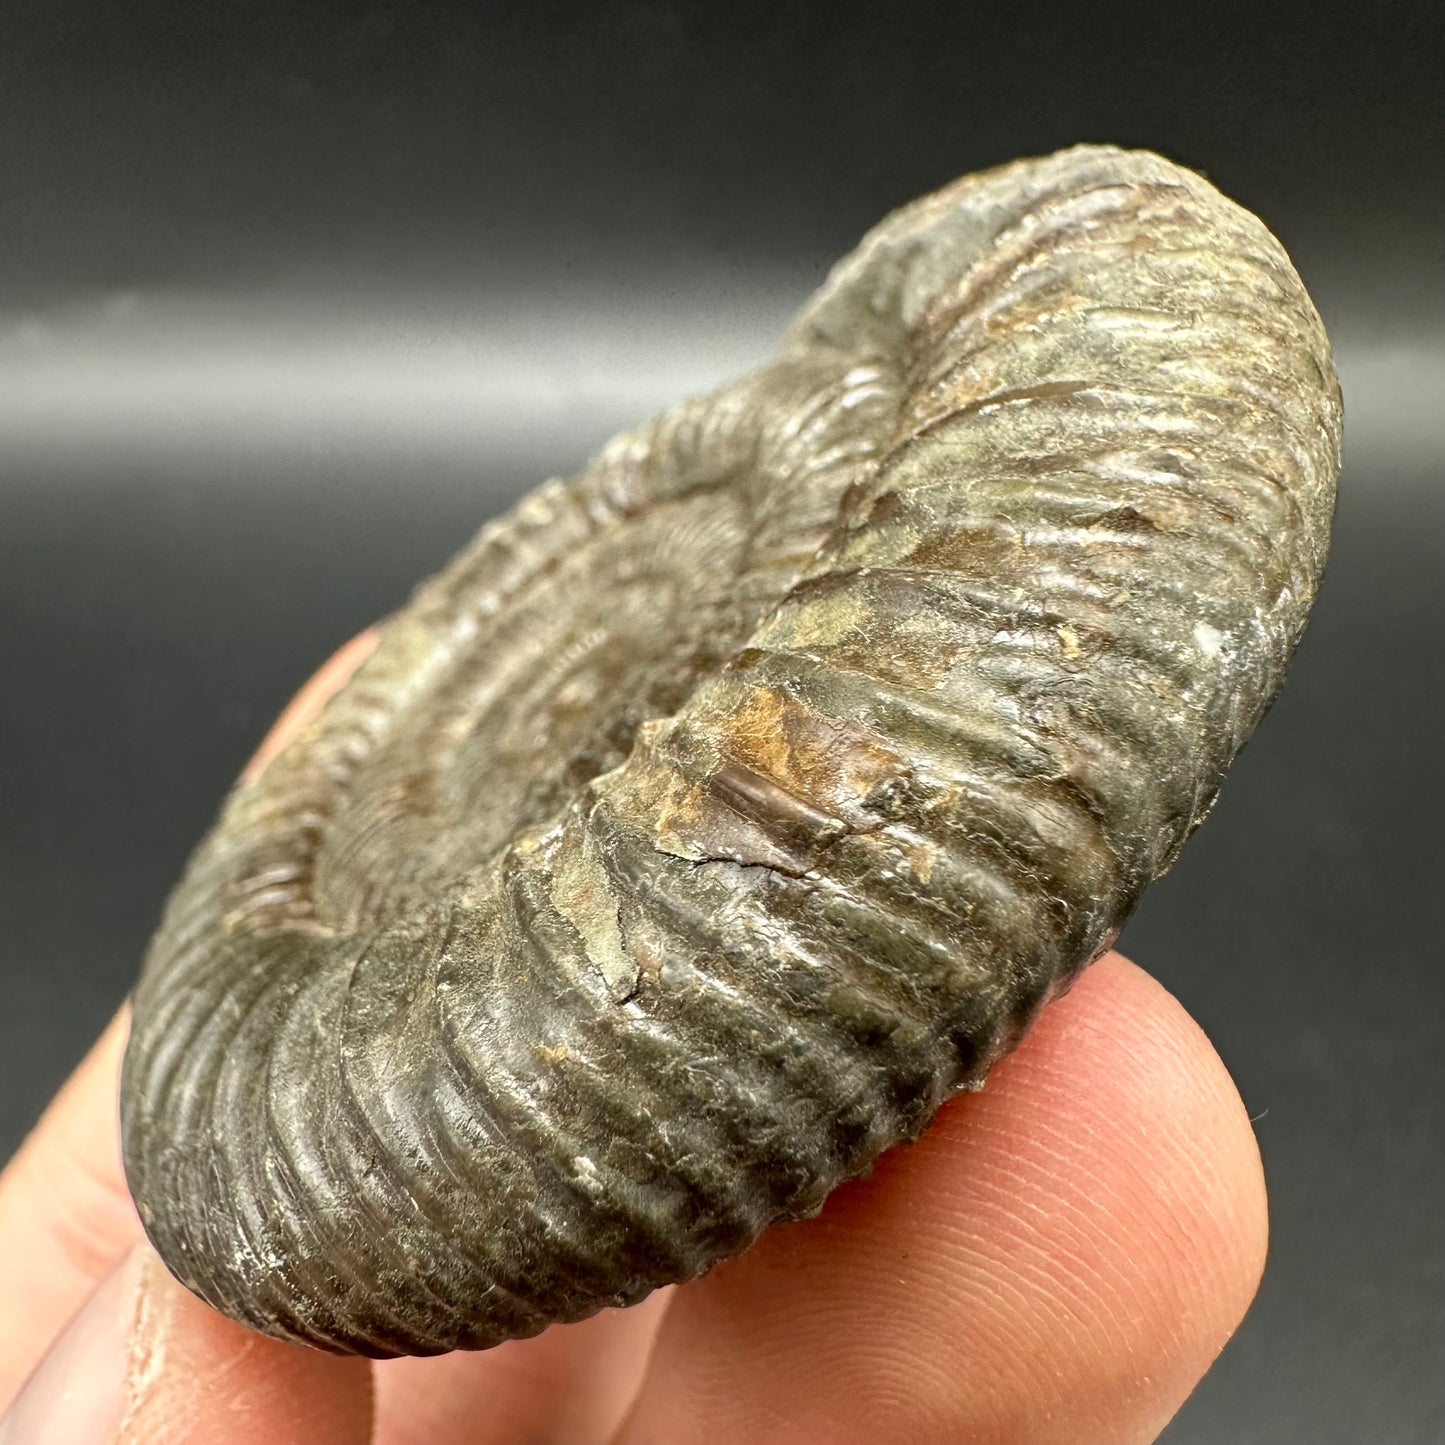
716, 814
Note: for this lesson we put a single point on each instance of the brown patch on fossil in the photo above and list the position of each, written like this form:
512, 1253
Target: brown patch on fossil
784, 783
774, 808
982, 548
827, 763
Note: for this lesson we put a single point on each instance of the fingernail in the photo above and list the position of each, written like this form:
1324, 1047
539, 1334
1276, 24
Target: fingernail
77, 1392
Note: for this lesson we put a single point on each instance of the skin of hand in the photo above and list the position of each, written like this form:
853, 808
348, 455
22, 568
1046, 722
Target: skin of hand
1056, 1262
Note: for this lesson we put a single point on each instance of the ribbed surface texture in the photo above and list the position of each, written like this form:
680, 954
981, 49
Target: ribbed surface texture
721, 810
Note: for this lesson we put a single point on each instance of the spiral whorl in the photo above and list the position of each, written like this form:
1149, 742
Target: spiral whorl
710, 818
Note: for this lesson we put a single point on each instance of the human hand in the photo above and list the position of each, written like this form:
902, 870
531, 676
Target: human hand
1056, 1262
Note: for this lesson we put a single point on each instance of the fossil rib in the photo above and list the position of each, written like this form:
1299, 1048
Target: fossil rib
713, 816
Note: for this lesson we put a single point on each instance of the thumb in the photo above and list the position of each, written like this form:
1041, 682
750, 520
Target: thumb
145, 1361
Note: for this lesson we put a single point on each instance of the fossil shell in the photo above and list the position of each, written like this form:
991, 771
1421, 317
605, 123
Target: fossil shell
717, 813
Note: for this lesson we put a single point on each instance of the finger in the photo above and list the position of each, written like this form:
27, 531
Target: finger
146, 1363
66, 1216
65, 1213
573, 1382
1056, 1262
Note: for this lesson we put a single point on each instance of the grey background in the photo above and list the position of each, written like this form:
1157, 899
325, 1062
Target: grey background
293, 297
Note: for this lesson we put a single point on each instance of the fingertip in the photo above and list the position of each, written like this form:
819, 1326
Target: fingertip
1057, 1260
1149, 1228
1171, 1080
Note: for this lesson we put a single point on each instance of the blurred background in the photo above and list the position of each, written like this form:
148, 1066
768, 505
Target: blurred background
293, 297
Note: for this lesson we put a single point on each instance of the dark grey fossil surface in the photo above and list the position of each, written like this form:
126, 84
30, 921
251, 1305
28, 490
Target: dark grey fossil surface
291, 302
714, 815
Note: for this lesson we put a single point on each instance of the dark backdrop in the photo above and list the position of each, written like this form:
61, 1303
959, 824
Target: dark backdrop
292, 297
